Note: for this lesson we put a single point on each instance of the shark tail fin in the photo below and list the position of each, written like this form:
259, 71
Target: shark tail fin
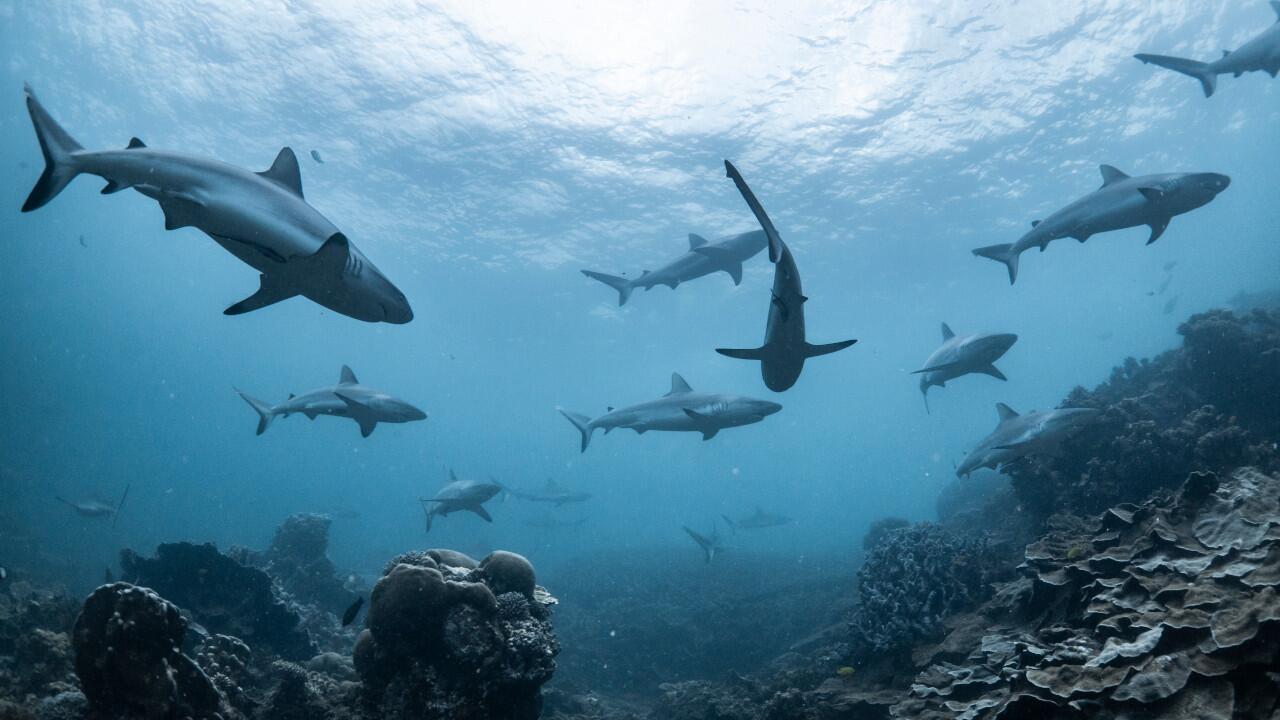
265, 415
1004, 254
116, 515
583, 423
622, 285
59, 150
826, 349
1198, 70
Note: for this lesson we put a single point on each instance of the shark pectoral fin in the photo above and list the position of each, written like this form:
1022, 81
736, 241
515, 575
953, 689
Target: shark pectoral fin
826, 349
724, 260
361, 413
115, 186
285, 172
703, 424
742, 353
934, 368
993, 371
484, 514
331, 258
180, 210
735, 272
1157, 229
271, 290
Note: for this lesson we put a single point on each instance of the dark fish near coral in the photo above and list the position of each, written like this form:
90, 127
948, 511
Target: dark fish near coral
349, 616
315, 155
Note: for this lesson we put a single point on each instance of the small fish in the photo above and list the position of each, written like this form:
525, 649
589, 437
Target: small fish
845, 671
315, 155
349, 616
83, 244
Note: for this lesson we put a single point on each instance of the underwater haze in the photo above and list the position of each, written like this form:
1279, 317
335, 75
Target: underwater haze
483, 154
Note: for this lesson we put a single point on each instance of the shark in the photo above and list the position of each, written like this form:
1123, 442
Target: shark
1262, 53
680, 410
711, 546
96, 509
1122, 202
553, 492
961, 355
726, 254
460, 495
348, 399
259, 217
785, 347
1017, 436
757, 520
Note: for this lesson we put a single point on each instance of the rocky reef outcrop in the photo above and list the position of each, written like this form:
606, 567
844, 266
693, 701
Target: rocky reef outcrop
1209, 405
297, 558
127, 643
451, 641
224, 596
1168, 609
913, 578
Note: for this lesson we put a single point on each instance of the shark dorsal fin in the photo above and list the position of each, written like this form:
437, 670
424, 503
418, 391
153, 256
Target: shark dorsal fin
292, 396
1111, 175
284, 172
1005, 412
678, 385
1275, 5
608, 408
946, 333
1035, 223
135, 143
696, 241
347, 377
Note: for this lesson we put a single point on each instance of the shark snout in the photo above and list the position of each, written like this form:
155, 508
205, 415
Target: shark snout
1215, 182
410, 413
395, 308
766, 408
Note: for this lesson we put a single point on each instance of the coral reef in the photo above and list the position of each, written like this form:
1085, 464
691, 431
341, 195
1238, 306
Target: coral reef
1208, 405
1167, 609
880, 528
448, 641
297, 559
913, 578
224, 596
127, 657
35, 651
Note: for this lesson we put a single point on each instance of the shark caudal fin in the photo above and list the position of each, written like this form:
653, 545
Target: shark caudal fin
59, 150
622, 285
582, 422
1004, 254
265, 414
732, 525
1198, 70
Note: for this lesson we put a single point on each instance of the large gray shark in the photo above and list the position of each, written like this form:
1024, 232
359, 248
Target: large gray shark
963, 354
348, 399
1017, 436
724, 255
1262, 53
711, 546
261, 218
96, 509
785, 348
1121, 202
681, 410
757, 520
553, 493
459, 495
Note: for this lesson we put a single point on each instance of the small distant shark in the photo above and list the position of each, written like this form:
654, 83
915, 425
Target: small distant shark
553, 493
785, 348
725, 255
348, 399
757, 520
1017, 436
1261, 53
711, 546
963, 354
681, 410
95, 509
459, 495
261, 218
1121, 202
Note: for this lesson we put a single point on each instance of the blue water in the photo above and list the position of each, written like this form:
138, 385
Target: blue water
482, 157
